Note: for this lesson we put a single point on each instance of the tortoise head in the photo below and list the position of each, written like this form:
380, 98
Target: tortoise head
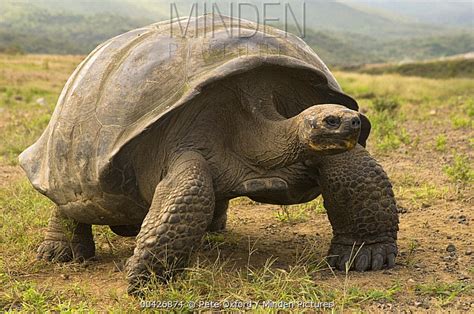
328, 129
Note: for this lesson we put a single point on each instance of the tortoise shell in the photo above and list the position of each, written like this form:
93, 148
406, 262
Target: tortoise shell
131, 82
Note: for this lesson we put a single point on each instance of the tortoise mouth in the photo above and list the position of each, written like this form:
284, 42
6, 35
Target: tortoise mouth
333, 144
333, 147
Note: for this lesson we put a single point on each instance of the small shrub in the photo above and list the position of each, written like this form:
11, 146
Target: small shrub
316, 206
470, 108
460, 170
290, 214
441, 141
460, 122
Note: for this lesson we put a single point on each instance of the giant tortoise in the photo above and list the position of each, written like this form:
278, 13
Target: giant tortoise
156, 131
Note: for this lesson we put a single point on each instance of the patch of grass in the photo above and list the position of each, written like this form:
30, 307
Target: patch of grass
315, 206
29, 89
221, 282
27, 296
387, 123
386, 104
429, 192
388, 133
460, 170
462, 114
469, 107
215, 238
300, 212
434, 69
444, 292
356, 295
24, 211
412, 248
290, 214
242, 201
417, 96
461, 122
440, 142
420, 194
21, 132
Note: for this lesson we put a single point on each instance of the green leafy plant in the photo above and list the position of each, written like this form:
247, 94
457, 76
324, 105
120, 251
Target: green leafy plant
460, 170
440, 142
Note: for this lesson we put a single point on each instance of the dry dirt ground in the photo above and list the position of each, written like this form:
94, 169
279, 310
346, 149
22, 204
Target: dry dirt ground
434, 270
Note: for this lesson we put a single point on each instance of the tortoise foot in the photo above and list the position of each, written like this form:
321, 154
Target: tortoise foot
62, 251
137, 277
140, 274
373, 256
218, 226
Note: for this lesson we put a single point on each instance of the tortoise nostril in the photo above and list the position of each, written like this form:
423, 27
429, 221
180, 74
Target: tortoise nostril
332, 121
355, 123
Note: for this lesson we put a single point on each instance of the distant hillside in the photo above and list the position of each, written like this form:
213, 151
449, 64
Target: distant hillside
320, 15
135, 9
340, 33
460, 66
346, 49
439, 12
33, 29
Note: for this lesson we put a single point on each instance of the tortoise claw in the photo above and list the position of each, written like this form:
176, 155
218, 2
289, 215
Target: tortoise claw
374, 256
62, 251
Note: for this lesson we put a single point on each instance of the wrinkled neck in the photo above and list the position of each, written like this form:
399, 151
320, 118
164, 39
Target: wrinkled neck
275, 144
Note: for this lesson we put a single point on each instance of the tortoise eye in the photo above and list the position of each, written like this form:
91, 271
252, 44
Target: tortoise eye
332, 121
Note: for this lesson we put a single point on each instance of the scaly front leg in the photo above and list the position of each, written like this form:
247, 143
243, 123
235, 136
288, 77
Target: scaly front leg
181, 211
361, 206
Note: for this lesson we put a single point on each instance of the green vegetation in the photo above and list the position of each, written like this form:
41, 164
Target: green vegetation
440, 144
460, 122
316, 206
460, 170
28, 297
301, 212
459, 67
291, 215
31, 28
357, 295
419, 193
386, 124
388, 105
21, 200
444, 292
28, 92
422, 195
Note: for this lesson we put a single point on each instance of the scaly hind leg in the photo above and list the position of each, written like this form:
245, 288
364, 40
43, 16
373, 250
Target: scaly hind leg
180, 213
66, 240
361, 207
